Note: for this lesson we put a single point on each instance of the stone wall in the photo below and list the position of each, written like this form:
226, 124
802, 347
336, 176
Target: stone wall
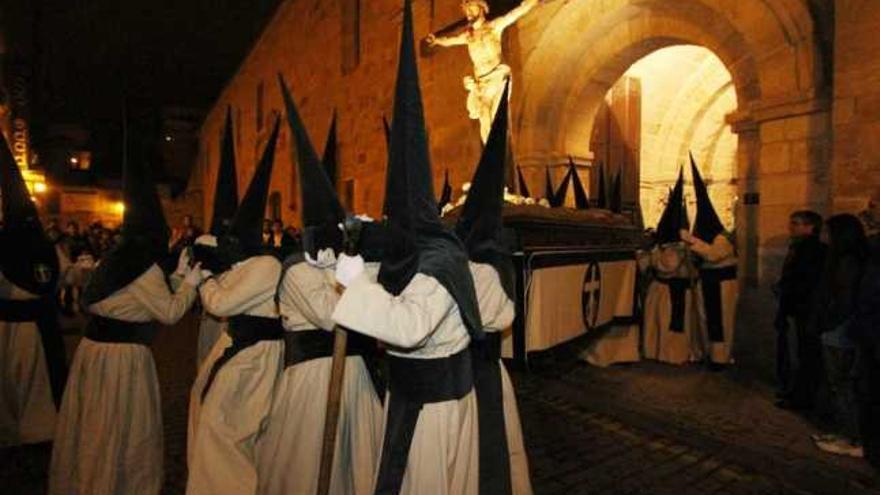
856, 103
565, 56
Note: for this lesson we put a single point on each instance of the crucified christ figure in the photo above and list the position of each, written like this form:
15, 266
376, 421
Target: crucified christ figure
483, 39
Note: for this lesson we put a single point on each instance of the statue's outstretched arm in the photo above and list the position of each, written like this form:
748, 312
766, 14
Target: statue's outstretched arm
456, 40
508, 19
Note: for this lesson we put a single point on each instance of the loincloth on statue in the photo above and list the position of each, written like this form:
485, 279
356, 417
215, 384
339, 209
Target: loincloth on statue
485, 89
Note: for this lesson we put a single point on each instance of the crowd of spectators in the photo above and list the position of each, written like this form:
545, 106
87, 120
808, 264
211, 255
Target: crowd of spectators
829, 313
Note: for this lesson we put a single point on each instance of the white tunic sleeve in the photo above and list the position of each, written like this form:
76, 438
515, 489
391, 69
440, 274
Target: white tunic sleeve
720, 249
151, 291
310, 293
406, 321
242, 287
496, 309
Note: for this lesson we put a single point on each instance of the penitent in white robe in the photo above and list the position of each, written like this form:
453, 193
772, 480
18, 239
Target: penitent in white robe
719, 254
289, 454
235, 411
27, 410
211, 328
660, 342
222, 341
422, 322
497, 312
109, 434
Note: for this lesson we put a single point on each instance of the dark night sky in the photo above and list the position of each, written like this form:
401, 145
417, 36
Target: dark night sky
160, 52
91, 55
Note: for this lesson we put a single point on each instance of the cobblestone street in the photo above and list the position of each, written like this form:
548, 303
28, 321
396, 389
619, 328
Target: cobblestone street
637, 429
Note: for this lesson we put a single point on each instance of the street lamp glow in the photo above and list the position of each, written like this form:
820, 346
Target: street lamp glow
119, 207
40, 187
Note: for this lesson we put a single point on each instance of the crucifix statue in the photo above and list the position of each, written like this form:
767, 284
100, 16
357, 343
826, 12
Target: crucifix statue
483, 40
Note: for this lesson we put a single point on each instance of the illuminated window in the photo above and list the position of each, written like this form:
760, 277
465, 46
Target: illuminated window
79, 160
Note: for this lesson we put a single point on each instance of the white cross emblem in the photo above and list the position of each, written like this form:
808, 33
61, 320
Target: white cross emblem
591, 295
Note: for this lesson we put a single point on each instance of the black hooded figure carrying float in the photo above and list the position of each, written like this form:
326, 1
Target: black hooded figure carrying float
418, 240
718, 273
430, 367
322, 364
480, 228
480, 225
225, 201
30, 263
242, 240
144, 237
581, 200
321, 211
601, 195
674, 217
672, 222
113, 391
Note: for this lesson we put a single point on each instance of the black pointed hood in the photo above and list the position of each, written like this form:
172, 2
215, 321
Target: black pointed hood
387, 128
602, 200
616, 202
480, 225
144, 236
329, 159
581, 201
523, 187
418, 241
321, 210
549, 189
226, 189
225, 200
29, 260
446, 192
707, 224
562, 192
244, 239
674, 217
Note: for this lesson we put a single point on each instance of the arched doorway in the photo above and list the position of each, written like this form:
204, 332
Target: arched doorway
780, 122
667, 105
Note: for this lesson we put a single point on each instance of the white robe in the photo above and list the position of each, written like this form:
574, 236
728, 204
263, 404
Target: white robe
659, 341
211, 329
109, 434
719, 254
289, 454
27, 410
422, 322
497, 312
235, 410
195, 395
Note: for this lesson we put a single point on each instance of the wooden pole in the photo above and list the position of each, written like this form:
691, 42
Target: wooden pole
331, 417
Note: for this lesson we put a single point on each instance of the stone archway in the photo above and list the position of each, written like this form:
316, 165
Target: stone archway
580, 49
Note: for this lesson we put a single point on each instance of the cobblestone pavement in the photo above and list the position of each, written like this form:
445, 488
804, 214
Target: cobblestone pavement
638, 429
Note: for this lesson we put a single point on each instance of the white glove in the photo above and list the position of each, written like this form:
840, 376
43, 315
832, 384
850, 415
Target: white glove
348, 268
183, 262
206, 240
193, 275
326, 258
